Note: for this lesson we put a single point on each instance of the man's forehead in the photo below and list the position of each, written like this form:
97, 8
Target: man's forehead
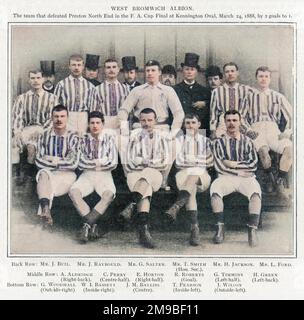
59, 113
35, 74
95, 119
230, 68
147, 115
76, 61
263, 73
111, 64
232, 116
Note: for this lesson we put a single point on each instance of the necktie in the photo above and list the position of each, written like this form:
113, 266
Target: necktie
77, 94
231, 99
95, 148
35, 107
112, 94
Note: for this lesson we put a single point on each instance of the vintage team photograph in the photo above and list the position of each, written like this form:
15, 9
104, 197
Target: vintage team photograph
151, 140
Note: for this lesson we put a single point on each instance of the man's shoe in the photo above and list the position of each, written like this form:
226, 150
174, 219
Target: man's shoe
127, 213
194, 236
46, 217
84, 233
94, 232
145, 238
220, 234
280, 188
252, 237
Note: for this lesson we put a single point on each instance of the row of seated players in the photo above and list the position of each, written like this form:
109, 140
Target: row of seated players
148, 159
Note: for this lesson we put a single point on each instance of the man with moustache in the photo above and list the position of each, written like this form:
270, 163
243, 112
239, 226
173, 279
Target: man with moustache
229, 96
193, 158
168, 76
31, 115
193, 97
98, 157
148, 156
235, 161
77, 94
264, 109
91, 68
214, 77
110, 94
57, 158
129, 70
48, 73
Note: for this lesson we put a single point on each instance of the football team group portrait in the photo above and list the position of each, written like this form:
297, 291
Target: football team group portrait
200, 119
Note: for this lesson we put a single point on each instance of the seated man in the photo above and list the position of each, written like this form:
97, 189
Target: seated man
98, 157
264, 110
193, 157
148, 156
235, 161
57, 158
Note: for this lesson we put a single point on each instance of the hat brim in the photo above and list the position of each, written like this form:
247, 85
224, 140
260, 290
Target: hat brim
129, 69
196, 66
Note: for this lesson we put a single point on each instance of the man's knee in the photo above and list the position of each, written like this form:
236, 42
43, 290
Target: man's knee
255, 203
107, 196
265, 157
43, 176
217, 203
75, 194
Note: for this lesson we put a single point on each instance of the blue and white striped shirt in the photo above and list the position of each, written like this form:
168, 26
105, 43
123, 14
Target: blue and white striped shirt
103, 148
65, 147
240, 150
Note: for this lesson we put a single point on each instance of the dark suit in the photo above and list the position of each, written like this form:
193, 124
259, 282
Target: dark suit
94, 81
190, 94
133, 85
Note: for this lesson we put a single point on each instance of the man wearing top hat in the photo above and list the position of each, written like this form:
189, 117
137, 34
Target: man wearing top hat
214, 77
48, 73
168, 76
129, 69
193, 97
91, 69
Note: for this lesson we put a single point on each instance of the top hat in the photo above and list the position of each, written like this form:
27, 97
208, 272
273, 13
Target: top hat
191, 60
92, 61
129, 63
212, 71
169, 69
152, 63
47, 67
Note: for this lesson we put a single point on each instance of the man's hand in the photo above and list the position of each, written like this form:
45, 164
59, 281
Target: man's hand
284, 135
252, 134
230, 164
102, 162
199, 104
212, 135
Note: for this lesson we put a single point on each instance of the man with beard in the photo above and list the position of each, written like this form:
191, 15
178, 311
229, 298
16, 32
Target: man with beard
148, 156
235, 161
31, 115
229, 96
214, 77
48, 73
168, 76
193, 97
57, 158
129, 70
91, 68
77, 94
98, 157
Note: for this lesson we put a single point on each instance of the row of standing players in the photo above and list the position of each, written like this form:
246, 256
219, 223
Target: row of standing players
229, 96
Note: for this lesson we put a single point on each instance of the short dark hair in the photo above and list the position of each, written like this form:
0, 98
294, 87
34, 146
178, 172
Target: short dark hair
96, 114
233, 64
76, 57
110, 60
60, 107
227, 113
263, 69
148, 110
192, 116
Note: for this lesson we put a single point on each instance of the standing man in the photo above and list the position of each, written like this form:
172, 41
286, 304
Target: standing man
148, 156
57, 158
48, 73
236, 162
31, 115
229, 96
77, 94
98, 157
129, 70
193, 97
214, 77
111, 94
91, 68
264, 109
193, 157
168, 76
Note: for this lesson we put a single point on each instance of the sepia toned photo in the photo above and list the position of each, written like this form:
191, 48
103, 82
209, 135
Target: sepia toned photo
160, 140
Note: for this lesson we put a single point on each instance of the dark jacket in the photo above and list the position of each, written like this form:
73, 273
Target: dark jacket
188, 96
